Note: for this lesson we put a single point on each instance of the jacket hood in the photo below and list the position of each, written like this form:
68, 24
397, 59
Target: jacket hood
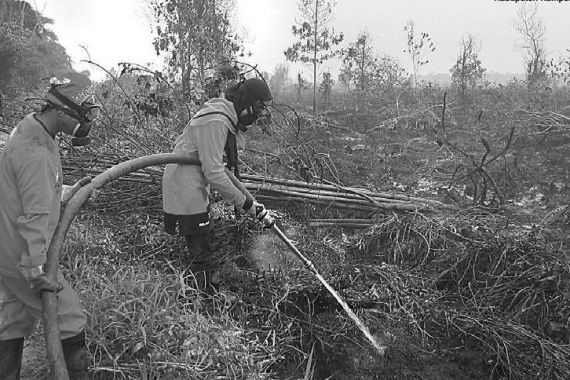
216, 109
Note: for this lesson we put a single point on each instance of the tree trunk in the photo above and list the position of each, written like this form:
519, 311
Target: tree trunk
315, 47
315, 111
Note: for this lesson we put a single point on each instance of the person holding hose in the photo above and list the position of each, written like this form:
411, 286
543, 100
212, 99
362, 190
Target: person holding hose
30, 196
213, 132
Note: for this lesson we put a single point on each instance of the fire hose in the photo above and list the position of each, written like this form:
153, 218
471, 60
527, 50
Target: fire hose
81, 192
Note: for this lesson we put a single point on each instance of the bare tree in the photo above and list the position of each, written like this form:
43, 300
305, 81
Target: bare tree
467, 71
418, 47
532, 30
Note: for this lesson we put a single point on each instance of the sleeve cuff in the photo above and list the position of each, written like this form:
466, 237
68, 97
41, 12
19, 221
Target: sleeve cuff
247, 204
33, 261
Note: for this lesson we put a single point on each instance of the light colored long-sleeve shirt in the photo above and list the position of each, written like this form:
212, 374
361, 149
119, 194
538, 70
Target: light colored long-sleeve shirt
30, 193
185, 188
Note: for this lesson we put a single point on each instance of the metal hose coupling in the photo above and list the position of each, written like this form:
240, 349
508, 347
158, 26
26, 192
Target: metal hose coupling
267, 221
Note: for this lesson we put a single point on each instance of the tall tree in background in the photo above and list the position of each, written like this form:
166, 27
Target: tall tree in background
12, 51
359, 63
300, 86
21, 13
326, 88
279, 79
29, 51
468, 70
389, 76
316, 41
372, 75
532, 30
345, 77
418, 48
196, 38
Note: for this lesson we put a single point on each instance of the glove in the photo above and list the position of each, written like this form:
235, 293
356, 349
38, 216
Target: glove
39, 281
43, 284
259, 212
256, 209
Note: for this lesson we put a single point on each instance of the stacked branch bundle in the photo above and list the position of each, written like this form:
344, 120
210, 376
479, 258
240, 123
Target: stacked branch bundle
275, 190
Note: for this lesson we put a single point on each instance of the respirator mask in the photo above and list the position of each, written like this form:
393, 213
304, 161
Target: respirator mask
258, 112
85, 113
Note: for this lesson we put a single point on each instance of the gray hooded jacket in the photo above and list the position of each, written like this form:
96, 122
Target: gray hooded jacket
185, 188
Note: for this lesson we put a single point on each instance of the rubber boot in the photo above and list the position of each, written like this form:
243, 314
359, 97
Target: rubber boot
11, 358
75, 354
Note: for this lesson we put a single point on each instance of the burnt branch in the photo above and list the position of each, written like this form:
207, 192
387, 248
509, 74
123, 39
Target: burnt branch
478, 174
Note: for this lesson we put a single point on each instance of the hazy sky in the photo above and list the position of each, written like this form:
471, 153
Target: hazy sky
119, 31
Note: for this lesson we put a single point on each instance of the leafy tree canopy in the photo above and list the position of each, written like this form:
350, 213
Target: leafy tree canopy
315, 40
196, 39
29, 51
468, 69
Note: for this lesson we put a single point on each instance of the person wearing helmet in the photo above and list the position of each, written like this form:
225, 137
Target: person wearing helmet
30, 190
213, 132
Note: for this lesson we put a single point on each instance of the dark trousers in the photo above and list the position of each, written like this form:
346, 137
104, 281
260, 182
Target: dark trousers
196, 230
203, 263
200, 253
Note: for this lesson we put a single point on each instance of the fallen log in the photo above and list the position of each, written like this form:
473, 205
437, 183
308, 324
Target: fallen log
332, 198
320, 186
338, 200
321, 192
328, 203
268, 188
342, 223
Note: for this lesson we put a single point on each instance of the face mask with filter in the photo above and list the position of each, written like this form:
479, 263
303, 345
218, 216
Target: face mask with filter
258, 112
85, 114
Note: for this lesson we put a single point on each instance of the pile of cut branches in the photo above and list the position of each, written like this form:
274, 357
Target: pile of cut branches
276, 190
332, 195
485, 285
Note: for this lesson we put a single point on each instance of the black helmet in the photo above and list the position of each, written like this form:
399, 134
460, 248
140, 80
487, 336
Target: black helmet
65, 97
257, 89
245, 94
